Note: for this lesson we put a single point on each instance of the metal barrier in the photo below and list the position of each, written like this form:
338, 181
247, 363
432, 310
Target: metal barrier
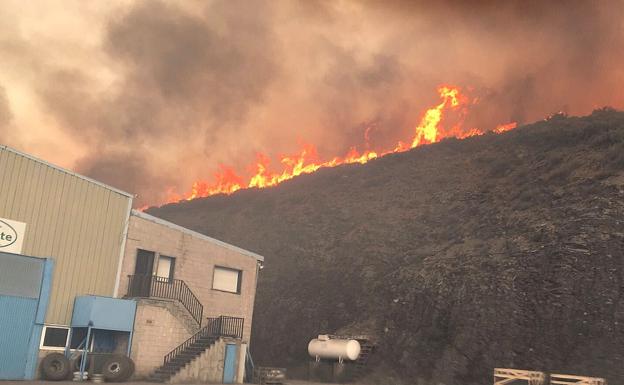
225, 326
505, 376
565, 379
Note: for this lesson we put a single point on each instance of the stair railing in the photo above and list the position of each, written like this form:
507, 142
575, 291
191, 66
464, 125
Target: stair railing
229, 326
222, 326
152, 286
206, 331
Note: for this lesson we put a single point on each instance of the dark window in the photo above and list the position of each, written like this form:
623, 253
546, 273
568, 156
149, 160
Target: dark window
144, 262
55, 337
77, 338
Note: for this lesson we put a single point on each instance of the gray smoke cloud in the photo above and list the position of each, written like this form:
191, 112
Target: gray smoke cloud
6, 116
204, 83
5, 110
188, 80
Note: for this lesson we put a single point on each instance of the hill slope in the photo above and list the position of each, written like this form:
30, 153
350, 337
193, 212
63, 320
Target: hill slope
495, 251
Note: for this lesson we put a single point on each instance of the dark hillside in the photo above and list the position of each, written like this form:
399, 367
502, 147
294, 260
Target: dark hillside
500, 250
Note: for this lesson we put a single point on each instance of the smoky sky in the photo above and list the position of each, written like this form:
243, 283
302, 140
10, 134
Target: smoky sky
5, 111
198, 84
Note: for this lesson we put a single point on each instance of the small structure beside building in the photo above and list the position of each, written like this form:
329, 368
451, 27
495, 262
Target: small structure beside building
71, 249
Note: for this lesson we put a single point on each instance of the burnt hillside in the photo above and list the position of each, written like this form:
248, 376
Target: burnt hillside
499, 250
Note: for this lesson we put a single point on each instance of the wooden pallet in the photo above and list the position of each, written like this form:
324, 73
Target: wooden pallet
566, 379
504, 376
269, 375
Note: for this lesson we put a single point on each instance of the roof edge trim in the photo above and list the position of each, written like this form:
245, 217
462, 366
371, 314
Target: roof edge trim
66, 171
163, 222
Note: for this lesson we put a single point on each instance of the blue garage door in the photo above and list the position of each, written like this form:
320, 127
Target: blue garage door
24, 290
17, 321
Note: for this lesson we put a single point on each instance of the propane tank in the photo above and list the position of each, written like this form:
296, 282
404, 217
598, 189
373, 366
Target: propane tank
334, 349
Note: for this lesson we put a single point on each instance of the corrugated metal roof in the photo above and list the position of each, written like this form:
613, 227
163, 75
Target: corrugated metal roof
163, 222
3, 147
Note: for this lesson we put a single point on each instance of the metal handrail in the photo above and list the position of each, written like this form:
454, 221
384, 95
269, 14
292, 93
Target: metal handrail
162, 287
222, 326
226, 326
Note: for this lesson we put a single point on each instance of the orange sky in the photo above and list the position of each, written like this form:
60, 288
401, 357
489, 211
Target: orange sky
148, 95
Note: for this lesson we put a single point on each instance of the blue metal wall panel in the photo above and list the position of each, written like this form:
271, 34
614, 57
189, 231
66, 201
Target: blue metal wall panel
17, 320
42, 307
33, 353
22, 313
20, 276
104, 313
46, 288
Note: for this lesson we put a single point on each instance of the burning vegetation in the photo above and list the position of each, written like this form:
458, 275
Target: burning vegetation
433, 127
493, 251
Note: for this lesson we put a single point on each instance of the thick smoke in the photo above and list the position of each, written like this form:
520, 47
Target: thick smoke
5, 111
188, 81
197, 84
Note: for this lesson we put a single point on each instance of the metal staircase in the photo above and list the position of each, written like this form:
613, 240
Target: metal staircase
195, 346
183, 355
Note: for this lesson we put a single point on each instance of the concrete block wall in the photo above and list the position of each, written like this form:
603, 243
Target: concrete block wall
208, 367
157, 331
196, 258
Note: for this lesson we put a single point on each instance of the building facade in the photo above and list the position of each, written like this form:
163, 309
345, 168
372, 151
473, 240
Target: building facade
78, 222
220, 278
85, 245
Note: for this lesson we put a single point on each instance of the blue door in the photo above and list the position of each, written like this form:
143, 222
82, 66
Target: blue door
17, 321
24, 293
229, 368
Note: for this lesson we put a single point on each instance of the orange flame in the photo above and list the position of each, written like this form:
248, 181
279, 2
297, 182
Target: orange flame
505, 127
227, 181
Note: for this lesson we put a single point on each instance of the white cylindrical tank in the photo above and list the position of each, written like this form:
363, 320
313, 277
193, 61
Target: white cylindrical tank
334, 349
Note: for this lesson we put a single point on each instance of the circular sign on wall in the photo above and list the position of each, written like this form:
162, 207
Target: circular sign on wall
11, 235
8, 235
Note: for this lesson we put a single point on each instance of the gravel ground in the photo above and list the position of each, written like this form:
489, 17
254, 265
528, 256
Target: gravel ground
288, 382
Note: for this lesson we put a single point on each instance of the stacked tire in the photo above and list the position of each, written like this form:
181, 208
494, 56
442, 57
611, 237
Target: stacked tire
117, 368
57, 367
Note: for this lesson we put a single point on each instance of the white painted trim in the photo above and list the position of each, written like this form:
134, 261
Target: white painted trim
122, 252
163, 222
66, 171
67, 341
242, 355
43, 333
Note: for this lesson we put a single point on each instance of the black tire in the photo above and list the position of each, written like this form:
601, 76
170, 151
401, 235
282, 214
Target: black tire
55, 367
117, 368
75, 363
132, 367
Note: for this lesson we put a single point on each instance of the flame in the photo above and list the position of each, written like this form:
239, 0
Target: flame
429, 130
505, 127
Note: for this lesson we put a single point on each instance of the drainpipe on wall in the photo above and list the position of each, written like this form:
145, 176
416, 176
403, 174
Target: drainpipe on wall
124, 236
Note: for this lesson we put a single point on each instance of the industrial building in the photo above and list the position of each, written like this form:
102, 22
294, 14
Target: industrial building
81, 270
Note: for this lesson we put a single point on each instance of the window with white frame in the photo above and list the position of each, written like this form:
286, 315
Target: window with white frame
227, 279
54, 337
166, 266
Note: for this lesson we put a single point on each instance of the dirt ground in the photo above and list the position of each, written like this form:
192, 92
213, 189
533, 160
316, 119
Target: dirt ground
288, 382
